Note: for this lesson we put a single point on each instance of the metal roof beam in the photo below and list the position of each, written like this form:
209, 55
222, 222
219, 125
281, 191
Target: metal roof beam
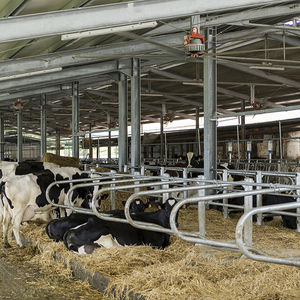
179, 77
25, 94
257, 13
293, 41
259, 73
88, 55
82, 56
105, 16
10, 7
112, 97
63, 76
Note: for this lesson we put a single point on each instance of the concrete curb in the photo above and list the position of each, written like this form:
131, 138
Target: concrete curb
97, 280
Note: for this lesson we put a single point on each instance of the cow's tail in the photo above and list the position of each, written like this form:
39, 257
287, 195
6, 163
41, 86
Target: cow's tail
2, 191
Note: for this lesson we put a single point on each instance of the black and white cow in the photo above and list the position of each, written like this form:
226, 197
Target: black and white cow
56, 229
100, 233
23, 196
267, 199
25, 167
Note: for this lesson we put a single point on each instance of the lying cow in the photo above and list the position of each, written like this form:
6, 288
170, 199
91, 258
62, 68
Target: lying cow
56, 229
100, 233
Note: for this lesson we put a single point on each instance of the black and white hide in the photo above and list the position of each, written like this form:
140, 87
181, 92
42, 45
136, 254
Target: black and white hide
100, 233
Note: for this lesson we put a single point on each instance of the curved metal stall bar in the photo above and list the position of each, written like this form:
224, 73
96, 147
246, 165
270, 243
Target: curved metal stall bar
154, 227
79, 180
149, 226
264, 258
109, 218
109, 189
64, 182
90, 184
185, 236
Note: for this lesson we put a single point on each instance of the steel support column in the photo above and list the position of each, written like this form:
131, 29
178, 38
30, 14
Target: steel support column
136, 113
75, 119
210, 106
162, 135
198, 131
57, 150
109, 138
90, 142
243, 131
19, 136
1, 136
123, 119
43, 124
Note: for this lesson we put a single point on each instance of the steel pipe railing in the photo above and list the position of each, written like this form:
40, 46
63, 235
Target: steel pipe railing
103, 179
239, 234
110, 189
185, 236
154, 227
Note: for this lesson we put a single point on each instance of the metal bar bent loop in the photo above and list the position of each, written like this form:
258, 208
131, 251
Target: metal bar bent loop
106, 217
264, 258
187, 237
151, 226
68, 204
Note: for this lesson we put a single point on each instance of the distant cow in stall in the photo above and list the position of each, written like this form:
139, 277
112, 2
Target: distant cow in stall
268, 199
99, 233
24, 196
56, 229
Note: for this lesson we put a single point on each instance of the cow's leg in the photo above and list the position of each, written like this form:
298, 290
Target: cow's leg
16, 222
5, 227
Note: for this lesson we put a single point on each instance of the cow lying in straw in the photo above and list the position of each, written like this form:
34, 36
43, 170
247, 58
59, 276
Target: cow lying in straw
96, 233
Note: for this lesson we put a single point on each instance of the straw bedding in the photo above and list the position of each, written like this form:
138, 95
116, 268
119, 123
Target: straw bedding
185, 271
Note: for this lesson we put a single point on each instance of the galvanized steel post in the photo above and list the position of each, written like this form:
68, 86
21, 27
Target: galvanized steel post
259, 197
162, 135
210, 106
75, 119
166, 186
280, 142
57, 148
19, 136
198, 131
1, 137
112, 192
109, 138
201, 208
136, 113
185, 176
248, 205
298, 200
43, 124
225, 200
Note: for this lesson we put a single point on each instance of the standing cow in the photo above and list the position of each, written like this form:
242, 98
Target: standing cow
23, 196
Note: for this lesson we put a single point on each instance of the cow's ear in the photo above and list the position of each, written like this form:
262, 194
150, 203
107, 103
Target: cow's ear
172, 202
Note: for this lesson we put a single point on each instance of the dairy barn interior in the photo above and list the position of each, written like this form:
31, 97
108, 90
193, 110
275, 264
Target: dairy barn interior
191, 104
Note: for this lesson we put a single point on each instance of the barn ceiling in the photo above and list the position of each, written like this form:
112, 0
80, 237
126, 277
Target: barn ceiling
248, 38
